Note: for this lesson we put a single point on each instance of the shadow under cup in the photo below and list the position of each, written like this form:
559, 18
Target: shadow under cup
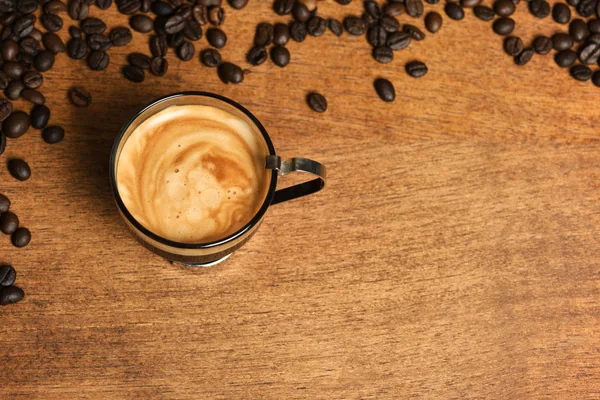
205, 254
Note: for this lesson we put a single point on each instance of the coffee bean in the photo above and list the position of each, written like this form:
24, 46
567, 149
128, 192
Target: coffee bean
594, 25
373, 9
14, 89
469, 3
385, 90
383, 54
573, 3
542, 45
99, 42
55, 7
139, 60
185, 51
335, 26
174, 24
539, 8
210, 3
7, 6
78, 9
561, 13
161, 8
415, 33
257, 55
133, 73
53, 134
398, 40
231, 73
216, 15
355, 26
281, 34
4, 206
317, 102
76, 48
23, 26
2, 143
376, 36
128, 7
40, 115
578, 29
565, 58
504, 8
29, 46
283, 7
513, 45
300, 12
433, 21
80, 97
44, 60
394, 9
141, 23
159, 66
216, 38
105, 4
75, 32
503, 26
590, 53
454, 11
562, 41
20, 238
298, 31
19, 169
596, 78
16, 124
175, 40
316, 26
581, 72
484, 13
210, 57
53, 42
523, 57
8, 275
93, 26
237, 4
11, 295
586, 8
280, 56
200, 14
192, 30
33, 96
185, 11
416, 69
27, 6
390, 24
6, 108
13, 70
8, 222
9, 50
120, 36
158, 46
414, 8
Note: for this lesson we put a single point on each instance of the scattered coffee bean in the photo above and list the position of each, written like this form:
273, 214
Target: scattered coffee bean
376, 36
44, 60
390, 24
159, 66
335, 26
581, 72
78, 9
539, 8
53, 42
542, 45
120, 36
4, 206
433, 21
590, 52
596, 78
484, 13
53, 134
133, 73
414, 8
504, 8
23, 26
161, 8
298, 31
33, 96
562, 41
105, 5
416, 69
503, 26
300, 12
14, 89
216, 38
385, 90
373, 9
561, 13
6, 108
210, 57
80, 97
316, 26
174, 24
586, 8
8, 222
13, 70
257, 55
513, 45
281, 34
98, 42
16, 124
469, 3
454, 11
93, 26
283, 7
175, 40
77, 48
8, 275
523, 57
280, 56
9, 50
27, 6
98, 60
186, 51
343, 2
52, 22
594, 25
158, 46
383, 54
231, 73
355, 26
139, 60
398, 40
21, 238
11, 295
578, 30
141, 23
40, 115
29, 45
237, 4
55, 7
317, 102
32, 80
415, 33
216, 15
128, 7
393, 9
75, 32
19, 169
192, 30
565, 58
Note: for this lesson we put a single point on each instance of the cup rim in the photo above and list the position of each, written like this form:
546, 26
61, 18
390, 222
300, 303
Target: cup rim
113, 182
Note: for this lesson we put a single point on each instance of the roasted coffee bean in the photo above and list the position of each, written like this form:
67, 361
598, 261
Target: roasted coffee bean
145, 7
77, 48
55, 7
133, 73
513, 45
200, 15
210, 3
7, 6
573, 3
162, 8
6, 108
355, 26
2, 143
503, 26
581, 72
300, 12
8, 222
562, 41
216, 38
139, 60
13, 69
29, 46
120, 36
504, 8
4, 206
415, 33
11, 295
185, 51
373, 9
539, 8
7, 33
93, 25
280, 56
185, 11
317, 102
175, 40
231, 73
26, 60
53, 42
586, 8
398, 40
105, 4
31, 80
237, 4
33, 96
23, 26
281, 34
335, 26
14, 89
257, 55
298, 31
283, 7
594, 25
4, 80
390, 24
192, 30
174, 24
454, 11
16, 124
9, 50
416, 69
394, 9
523, 57
433, 21
561, 13
159, 66
590, 53
542, 45
80, 97
8, 275
19, 169
376, 36
27, 6
383, 54
75, 32
216, 15
53, 134
316, 26
78, 9
368, 19
578, 29
414, 8
210, 57
141, 23
128, 7
565, 58
596, 78
469, 3
40, 115
20, 238
98, 42
484, 13
385, 90
158, 46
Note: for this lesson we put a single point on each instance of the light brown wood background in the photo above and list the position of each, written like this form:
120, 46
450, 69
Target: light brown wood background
452, 255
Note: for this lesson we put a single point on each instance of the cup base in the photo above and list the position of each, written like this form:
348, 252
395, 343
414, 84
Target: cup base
203, 265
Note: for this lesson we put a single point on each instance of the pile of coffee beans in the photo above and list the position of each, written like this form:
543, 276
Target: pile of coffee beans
9, 224
9, 293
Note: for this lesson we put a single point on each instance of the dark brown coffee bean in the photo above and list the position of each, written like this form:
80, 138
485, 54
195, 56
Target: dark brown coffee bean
281, 34
454, 11
9, 50
185, 11
586, 8
565, 58
373, 9
539, 8
75, 32
77, 48
23, 26
433, 21
523, 57
578, 29
7, 6
596, 78
414, 8
398, 40
8, 222
139, 60
237, 4
8, 275
20, 238
280, 56
29, 46
594, 25
300, 12
257, 55
53, 42
231, 73
98, 42
53, 134
503, 26
355, 26
133, 73
383, 54
416, 69
105, 4
542, 45
185, 51
14, 89
561, 13
80, 97
141, 23
316, 26
174, 24
469, 3
283, 7
128, 7
415, 33
298, 31
78, 9
93, 25
216, 15
385, 90
32, 80
376, 36
120, 36
335, 26
55, 7
175, 40
16, 124
40, 115
483, 13
159, 66
4, 206
504, 8
394, 9
581, 73
200, 15
158, 46
11, 295
317, 102
192, 30
216, 38
590, 53
27, 6
33, 96
6, 108
390, 24
210, 57
13, 69
4, 80
162, 8
562, 41
19, 169
513, 45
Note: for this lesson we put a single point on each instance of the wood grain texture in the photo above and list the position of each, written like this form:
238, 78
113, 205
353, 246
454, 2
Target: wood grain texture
453, 254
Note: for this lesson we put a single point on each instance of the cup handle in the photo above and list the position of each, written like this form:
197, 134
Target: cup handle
297, 164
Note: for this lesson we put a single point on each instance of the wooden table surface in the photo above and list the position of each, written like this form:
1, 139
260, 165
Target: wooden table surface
452, 255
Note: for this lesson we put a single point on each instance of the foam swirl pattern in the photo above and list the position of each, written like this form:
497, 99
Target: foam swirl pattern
193, 173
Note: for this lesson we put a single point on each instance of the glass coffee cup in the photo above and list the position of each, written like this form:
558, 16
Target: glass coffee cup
214, 251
